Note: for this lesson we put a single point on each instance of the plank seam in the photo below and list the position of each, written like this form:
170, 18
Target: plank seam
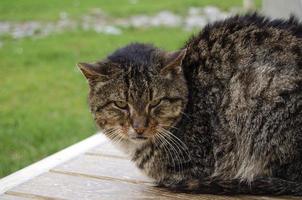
134, 182
31, 196
108, 178
105, 155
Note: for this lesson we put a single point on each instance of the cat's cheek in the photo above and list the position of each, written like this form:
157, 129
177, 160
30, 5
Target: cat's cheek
131, 132
152, 129
105, 123
125, 129
101, 123
169, 110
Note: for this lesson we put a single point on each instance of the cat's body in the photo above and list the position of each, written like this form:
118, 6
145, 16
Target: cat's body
236, 125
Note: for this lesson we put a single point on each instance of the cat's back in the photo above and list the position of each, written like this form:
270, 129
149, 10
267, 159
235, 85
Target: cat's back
250, 28
245, 63
250, 48
245, 39
249, 71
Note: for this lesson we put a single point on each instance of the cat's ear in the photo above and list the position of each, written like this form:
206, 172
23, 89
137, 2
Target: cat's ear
173, 62
99, 72
90, 71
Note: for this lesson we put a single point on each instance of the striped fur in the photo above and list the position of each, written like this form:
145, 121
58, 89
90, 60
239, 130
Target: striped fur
229, 117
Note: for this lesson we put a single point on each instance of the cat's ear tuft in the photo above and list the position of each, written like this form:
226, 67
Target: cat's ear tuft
173, 63
90, 71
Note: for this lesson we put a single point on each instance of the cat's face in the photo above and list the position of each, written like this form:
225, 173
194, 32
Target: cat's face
136, 102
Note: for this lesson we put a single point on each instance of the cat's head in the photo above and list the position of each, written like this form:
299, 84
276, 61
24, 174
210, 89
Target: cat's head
138, 92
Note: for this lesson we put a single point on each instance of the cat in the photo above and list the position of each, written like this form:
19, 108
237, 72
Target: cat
222, 115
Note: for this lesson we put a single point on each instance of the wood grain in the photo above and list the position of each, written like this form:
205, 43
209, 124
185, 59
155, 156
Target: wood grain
103, 173
11, 197
51, 161
63, 186
121, 169
107, 149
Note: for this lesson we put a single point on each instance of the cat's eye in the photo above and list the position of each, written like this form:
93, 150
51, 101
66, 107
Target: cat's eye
121, 104
154, 103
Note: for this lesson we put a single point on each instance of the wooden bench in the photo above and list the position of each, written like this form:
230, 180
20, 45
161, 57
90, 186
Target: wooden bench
91, 169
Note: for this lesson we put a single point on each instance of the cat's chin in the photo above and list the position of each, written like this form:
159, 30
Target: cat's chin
138, 140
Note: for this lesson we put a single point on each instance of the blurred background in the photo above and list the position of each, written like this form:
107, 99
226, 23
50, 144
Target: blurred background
43, 96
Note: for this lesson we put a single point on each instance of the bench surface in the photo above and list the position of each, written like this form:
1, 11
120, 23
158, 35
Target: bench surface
101, 172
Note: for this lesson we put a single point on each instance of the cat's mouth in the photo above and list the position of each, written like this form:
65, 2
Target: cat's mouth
138, 138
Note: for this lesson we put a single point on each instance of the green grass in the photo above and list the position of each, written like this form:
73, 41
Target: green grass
20, 10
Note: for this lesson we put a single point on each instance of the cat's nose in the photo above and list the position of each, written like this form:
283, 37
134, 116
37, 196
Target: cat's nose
139, 131
139, 124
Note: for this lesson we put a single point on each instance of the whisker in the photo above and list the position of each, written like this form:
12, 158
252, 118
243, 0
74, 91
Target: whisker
183, 145
168, 126
114, 135
180, 145
177, 152
157, 137
178, 141
167, 150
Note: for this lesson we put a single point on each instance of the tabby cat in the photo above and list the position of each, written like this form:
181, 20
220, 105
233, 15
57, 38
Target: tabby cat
222, 115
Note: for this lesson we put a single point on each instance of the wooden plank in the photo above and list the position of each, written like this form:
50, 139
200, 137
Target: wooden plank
117, 169
102, 173
107, 149
47, 163
12, 197
103, 167
30, 196
62, 186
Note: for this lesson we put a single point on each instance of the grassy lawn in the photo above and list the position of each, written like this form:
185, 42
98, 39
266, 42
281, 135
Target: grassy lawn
50, 10
43, 96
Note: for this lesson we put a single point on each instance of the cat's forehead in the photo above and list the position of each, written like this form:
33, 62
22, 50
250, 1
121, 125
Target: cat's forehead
147, 87
139, 67
109, 90
139, 83
139, 79
131, 85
